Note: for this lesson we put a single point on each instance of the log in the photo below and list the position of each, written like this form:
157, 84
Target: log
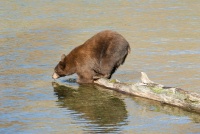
189, 101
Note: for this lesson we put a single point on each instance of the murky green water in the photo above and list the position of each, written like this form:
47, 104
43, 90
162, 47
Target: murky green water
165, 41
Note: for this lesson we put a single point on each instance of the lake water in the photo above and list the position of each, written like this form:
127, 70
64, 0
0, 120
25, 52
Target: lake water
165, 40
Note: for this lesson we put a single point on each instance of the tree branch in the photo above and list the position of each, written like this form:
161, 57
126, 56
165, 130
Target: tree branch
148, 89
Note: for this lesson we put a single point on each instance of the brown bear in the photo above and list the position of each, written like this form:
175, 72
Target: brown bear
98, 57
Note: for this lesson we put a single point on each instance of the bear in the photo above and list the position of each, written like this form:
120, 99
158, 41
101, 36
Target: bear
98, 57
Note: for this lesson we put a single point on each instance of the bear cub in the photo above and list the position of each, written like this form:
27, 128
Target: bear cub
98, 57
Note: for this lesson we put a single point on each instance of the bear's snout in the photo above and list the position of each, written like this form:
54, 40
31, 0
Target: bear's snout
55, 76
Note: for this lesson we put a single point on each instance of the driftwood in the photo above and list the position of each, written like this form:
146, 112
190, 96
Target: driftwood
148, 89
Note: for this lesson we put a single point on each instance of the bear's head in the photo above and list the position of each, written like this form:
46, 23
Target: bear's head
59, 70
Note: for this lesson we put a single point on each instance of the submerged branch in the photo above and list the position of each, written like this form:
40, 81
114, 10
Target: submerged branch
148, 89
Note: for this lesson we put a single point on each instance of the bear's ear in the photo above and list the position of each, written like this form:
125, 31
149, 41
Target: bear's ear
63, 57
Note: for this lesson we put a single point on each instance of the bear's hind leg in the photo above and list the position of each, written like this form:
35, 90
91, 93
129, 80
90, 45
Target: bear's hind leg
108, 66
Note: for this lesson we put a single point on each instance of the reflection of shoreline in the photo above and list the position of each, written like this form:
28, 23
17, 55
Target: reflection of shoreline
101, 108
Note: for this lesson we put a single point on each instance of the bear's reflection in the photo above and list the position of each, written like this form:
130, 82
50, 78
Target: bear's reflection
95, 103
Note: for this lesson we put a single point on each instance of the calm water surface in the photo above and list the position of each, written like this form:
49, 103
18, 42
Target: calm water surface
165, 41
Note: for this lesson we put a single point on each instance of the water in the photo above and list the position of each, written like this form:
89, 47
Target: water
164, 37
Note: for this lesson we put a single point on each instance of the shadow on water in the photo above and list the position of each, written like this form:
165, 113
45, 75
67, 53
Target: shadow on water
93, 104
104, 108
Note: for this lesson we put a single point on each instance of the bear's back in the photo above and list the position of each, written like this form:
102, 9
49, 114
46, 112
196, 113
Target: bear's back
105, 42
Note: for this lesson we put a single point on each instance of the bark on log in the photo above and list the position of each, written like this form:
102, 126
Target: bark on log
148, 89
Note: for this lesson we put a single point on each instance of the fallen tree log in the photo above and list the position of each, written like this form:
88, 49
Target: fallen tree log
189, 101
